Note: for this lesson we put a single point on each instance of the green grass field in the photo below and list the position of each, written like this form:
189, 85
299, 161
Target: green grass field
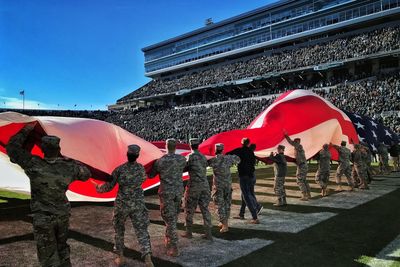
354, 236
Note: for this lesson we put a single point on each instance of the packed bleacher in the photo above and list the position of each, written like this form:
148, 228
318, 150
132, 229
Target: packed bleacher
386, 39
202, 121
377, 97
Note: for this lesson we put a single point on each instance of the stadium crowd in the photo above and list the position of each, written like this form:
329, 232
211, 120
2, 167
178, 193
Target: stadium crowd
155, 124
386, 39
374, 97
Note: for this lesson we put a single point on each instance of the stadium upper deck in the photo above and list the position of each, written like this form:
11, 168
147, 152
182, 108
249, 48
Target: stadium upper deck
262, 28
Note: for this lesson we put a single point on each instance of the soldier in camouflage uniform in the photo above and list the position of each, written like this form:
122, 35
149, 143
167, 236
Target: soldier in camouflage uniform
170, 168
344, 166
302, 168
367, 161
359, 165
197, 190
322, 174
222, 181
383, 158
280, 170
49, 179
130, 203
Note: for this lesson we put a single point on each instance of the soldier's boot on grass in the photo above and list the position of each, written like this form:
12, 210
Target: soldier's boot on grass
254, 221
207, 234
339, 188
147, 260
173, 251
188, 233
224, 227
279, 202
120, 260
167, 242
304, 197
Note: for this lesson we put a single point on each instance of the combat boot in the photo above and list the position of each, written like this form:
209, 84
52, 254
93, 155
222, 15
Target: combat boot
167, 242
304, 197
148, 261
339, 188
120, 260
173, 251
207, 235
279, 202
326, 191
254, 221
188, 233
225, 227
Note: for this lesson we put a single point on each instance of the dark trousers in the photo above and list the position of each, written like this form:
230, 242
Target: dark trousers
248, 197
51, 234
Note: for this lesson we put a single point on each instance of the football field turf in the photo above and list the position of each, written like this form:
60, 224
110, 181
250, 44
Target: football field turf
360, 228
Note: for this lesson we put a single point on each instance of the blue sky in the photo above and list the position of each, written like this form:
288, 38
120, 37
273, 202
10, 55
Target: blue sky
87, 53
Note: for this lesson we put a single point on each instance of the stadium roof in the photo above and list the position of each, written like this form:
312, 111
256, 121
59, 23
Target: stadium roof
219, 24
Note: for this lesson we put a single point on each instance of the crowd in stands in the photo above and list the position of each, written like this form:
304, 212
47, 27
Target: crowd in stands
161, 123
370, 97
386, 39
374, 97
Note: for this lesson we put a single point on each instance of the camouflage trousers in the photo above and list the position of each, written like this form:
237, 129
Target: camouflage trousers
301, 176
346, 170
358, 174
322, 178
201, 198
51, 234
368, 176
169, 206
222, 198
396, 164
279, 187
140, 221
384, 165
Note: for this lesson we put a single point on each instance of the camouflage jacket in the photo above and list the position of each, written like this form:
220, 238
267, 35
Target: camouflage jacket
49, 178
280, 165
324, 160
197, 167
358, 157
130, 177
383, 152
170, 168
299, 152
221, 165
344, 155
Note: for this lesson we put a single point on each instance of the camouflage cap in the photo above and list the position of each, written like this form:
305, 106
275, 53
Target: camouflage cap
296, 139
281, 147
343, 143
219, 146
51, 140
194, 141
134, 149
325, 146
